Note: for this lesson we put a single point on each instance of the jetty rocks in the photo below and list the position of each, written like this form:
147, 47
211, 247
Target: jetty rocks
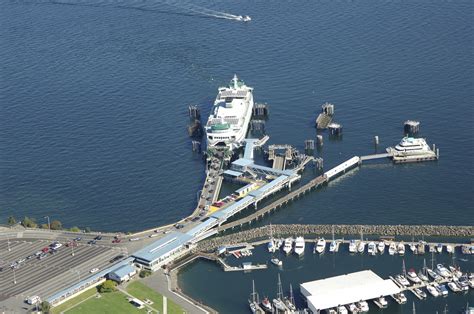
296, 229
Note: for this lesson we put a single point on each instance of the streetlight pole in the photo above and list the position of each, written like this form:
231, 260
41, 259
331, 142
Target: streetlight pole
14, 276
8, 241
72, 247
49, 225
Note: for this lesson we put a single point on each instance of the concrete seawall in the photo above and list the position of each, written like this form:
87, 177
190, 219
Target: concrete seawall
380, 230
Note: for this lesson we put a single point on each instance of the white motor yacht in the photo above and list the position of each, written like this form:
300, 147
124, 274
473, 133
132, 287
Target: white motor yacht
455, 271
454, 287
401, 248
372, 248
439, 248
402, 298
321, 245
341, 309
382, 302
443, 271
353, 308
402, 280
363, 306
392, 249
381, 247
449, 248
288, 245
420, 292
352, 246
361, 246
271, 246
432, 274
412, 276
432, 290
299, 246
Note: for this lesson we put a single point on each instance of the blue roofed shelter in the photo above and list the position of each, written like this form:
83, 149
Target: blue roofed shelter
123, 273
162, 251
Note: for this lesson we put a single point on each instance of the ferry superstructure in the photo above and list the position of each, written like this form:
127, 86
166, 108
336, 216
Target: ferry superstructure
230, 116
410, 146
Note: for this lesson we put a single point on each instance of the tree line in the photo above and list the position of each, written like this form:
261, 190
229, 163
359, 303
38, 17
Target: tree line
29, 222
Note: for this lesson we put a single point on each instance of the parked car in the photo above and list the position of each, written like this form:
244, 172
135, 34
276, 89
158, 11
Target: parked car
92, 242
78, 239
133, 239
94, 270
116, 258
98, 238
45, 250
116, 240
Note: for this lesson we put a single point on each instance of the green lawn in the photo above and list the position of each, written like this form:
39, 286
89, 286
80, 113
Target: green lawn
113, 303
142, 292
61, 308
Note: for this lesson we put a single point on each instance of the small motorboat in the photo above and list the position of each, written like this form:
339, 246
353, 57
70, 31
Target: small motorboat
392, 249
443, 289
271, 246
402, 280
288, 245
276, 262
361, 246
321, 245
372, 248
353, 308
455, 271
449, 248
432, 290
439, 248
382, 302
454, 287
442, 271
381, 247
422, 276
420, 292
246, 18
352, 246
413, 247
341, 309
332, 246
267, 305
432, 274
401, 248
363, 306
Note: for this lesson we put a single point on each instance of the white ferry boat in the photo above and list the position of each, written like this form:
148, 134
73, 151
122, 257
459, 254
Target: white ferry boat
230, 116
299, 246
410, 146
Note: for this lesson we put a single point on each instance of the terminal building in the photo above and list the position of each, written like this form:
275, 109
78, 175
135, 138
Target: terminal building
332, 292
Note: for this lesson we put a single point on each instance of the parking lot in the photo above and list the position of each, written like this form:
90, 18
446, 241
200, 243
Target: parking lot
54, 271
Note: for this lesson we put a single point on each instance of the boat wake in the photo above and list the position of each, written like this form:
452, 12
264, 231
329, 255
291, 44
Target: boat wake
186, 8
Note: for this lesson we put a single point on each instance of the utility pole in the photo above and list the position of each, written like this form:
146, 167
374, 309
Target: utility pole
49, 225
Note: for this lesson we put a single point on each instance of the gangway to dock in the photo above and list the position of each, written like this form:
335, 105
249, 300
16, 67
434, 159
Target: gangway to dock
375, 156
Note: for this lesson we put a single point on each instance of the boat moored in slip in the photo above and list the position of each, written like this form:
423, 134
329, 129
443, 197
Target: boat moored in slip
299, 246
449, 248
267, 305
422, 276
276, 262
353, 308
413, 247
443, 290
341, 309
363, 306
321, 246
419, 293
433, 274
400, 298
412, 150
402, 280
439, 248
412, 276
271, 246
381, 247
392, 249
361, 246
454, 287
432, 290
401, 248
455, 271
443, 271
288, 245
381, 302
333, 246
372, 248
352, 246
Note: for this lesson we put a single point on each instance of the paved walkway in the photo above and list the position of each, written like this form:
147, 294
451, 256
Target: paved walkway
158, 281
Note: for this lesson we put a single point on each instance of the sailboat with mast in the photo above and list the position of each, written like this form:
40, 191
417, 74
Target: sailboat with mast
290, 301
278, 302
422, 274
254, 301
271, 244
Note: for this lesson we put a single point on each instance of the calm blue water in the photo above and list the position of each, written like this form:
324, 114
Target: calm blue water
94, 96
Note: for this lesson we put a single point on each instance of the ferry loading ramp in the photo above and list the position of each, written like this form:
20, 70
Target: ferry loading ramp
346, 289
